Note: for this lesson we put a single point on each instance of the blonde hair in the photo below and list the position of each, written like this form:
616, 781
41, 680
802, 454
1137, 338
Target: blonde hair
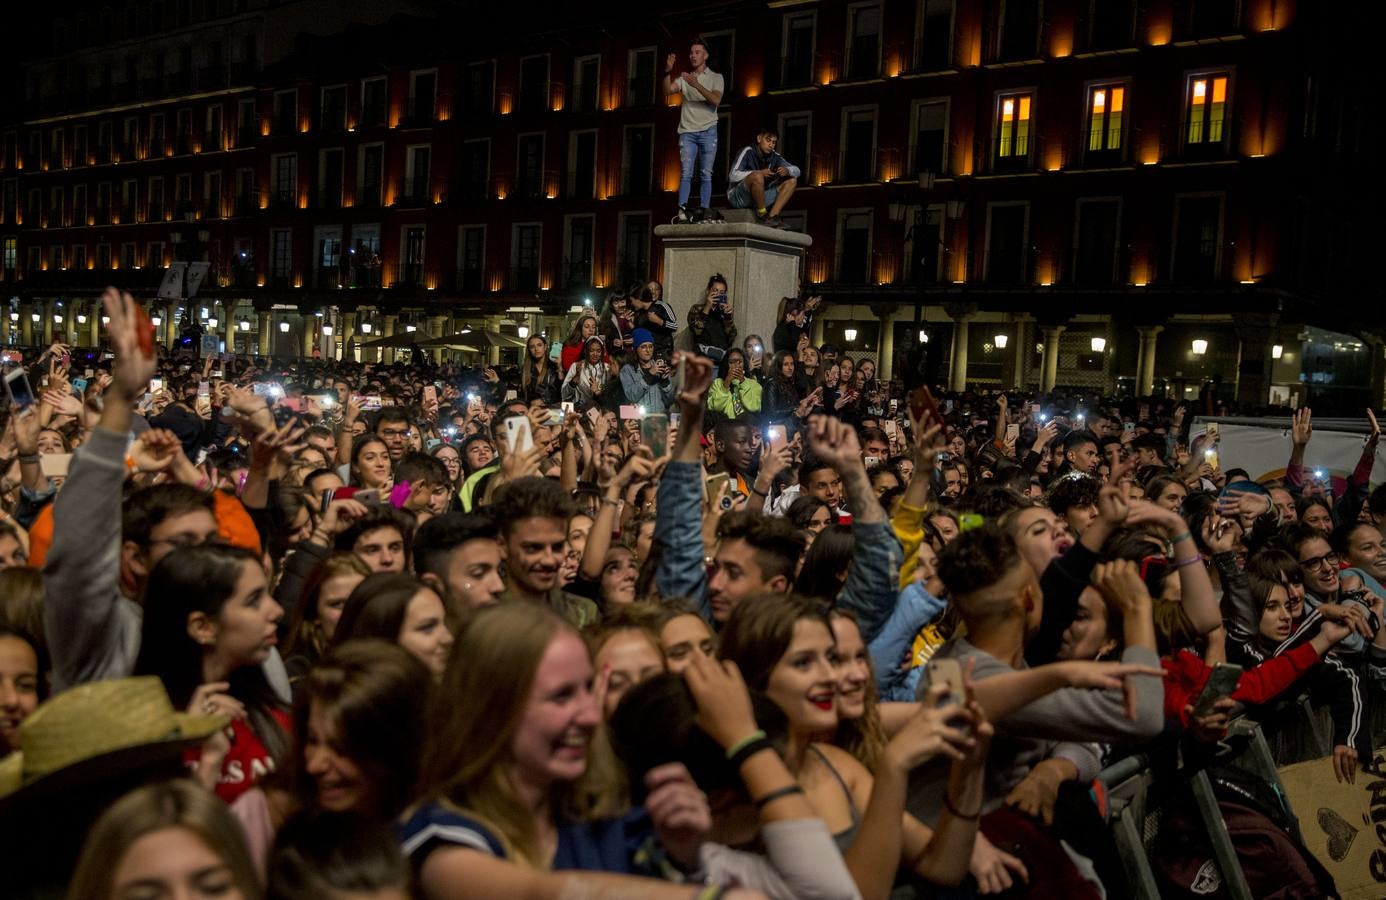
493, 664
179, 803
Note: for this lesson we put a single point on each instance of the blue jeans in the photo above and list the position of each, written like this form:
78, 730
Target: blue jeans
702, 147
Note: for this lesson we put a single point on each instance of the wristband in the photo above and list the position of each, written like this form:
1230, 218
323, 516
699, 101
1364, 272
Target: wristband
948, 804
1180, 537
771, 797
1181, 563
615, 502
749, 739
33, 458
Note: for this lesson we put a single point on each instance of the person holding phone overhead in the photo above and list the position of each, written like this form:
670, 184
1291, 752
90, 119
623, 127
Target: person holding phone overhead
645, 380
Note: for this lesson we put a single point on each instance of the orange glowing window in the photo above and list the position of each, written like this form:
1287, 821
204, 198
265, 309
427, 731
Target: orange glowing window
1106, 108
1207, 109
1013, 126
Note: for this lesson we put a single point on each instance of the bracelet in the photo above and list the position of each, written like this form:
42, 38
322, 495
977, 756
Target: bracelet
771, 797
948, 804
616, 503
745, 742
1181, 563
761, 743
29, 458
1180, 537
755, 490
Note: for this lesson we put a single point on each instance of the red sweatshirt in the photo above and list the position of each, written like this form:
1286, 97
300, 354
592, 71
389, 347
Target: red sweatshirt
1187, 674
247, 761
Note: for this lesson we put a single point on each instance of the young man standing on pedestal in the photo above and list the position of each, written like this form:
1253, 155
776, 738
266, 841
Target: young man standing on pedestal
702, 93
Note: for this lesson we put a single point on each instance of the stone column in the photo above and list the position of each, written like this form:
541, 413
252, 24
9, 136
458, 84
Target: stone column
492, 326
1052, 334
46, 311
265, 322
387, 328
94, 323
1145, 361
761, 266
312, 330
348, 326
957, 361
6, 327
885, 351
26, 324
1255, 331
435, 330
1021, 352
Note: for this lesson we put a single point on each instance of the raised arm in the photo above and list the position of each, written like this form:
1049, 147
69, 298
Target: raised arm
87, 638
678, 522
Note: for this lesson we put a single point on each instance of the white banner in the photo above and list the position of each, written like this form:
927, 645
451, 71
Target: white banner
197, 273
1262, 447
171, 288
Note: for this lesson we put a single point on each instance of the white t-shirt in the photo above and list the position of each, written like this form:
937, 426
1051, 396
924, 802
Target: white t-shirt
698, 114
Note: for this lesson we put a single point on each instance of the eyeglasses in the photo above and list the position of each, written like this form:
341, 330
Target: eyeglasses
1318, 562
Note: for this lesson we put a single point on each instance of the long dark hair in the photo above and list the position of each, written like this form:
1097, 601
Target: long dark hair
777, 371
375, 694
201, 579
829, 556
376, 608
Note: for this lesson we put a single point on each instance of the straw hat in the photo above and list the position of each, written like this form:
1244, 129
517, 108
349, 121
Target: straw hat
100, 728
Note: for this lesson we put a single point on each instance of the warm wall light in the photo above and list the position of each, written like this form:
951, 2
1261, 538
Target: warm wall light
1001, 340
1277, 351
284, 327
522, 331
1200, 347
1099, 345
850, 334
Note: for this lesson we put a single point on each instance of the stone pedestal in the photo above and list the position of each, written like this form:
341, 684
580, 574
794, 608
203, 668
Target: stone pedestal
761, 265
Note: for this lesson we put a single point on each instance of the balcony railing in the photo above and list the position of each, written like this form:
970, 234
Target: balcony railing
413, 192
408, 274
364, 276
283, 198
471, 280
419, 113
524, 278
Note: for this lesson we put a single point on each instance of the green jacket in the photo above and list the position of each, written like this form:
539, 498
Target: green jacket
745, 393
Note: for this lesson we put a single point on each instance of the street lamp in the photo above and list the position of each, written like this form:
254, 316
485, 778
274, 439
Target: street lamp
850, 334
1200, 347
1277, 351
284, 327
923, 336
156, 321
366, 327
522, 331
245, 324
1001, 340
327, 330
1099, 345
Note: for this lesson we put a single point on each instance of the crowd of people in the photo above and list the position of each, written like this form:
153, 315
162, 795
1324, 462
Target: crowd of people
629, 620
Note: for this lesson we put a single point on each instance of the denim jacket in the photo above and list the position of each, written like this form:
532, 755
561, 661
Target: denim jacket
890, 650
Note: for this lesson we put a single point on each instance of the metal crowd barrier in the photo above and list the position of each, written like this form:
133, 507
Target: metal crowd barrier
1135, 815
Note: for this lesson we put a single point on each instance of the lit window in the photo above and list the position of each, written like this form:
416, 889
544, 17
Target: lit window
1106, 106
1207, 108
1013, 127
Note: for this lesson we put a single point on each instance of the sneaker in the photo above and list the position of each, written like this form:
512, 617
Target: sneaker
712, 215
772, 222
681, 217
696, 215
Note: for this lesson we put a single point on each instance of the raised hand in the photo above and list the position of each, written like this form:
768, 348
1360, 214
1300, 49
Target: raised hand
1302, 426
339, 516
697, 380
834, 442
724, 703
134, 354
1045, 436
933, 730
155, 450
1373, 436
1218, 535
